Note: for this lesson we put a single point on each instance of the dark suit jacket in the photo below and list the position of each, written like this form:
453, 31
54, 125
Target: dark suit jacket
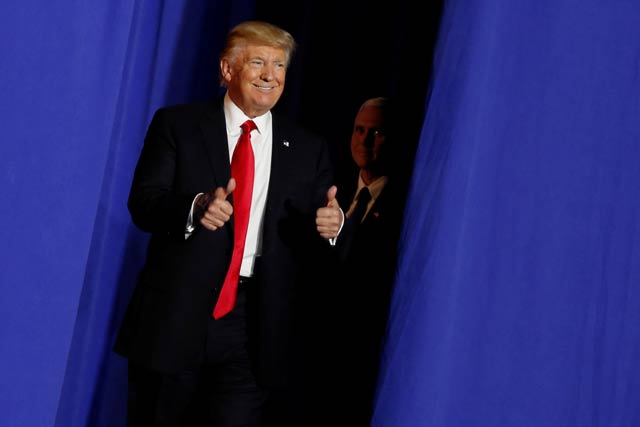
368, 256
186, 152
365, 265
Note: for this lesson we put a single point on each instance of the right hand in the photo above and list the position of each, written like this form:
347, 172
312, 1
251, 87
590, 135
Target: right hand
214, 208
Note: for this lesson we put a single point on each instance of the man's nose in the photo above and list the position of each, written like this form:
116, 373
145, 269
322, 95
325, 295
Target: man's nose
369, 138
267, 73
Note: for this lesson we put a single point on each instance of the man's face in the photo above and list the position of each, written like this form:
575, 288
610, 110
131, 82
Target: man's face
255, 81
368, 137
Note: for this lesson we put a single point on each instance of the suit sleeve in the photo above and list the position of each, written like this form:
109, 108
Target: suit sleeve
153, 203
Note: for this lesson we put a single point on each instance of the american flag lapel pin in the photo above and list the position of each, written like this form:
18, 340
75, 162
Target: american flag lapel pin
285, 143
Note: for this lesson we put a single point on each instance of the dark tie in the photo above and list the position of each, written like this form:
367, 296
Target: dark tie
242, 170
364, 196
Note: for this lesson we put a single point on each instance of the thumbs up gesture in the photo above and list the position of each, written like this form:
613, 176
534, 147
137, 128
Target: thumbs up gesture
213, 209
329, 218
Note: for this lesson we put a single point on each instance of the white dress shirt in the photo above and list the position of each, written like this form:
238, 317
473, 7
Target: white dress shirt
262, 143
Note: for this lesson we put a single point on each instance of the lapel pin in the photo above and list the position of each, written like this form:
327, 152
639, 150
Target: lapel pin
285, 143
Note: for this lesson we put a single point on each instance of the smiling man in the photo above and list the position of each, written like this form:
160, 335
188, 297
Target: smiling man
236, 198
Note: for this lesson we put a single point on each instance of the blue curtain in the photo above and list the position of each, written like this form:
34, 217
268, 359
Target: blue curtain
79, 83
517, 300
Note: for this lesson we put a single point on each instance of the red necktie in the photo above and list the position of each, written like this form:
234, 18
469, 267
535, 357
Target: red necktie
242, 170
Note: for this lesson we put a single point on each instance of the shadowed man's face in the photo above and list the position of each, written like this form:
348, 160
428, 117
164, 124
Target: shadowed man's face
367, 138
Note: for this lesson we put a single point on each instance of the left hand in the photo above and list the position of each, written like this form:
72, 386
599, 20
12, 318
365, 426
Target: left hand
329, 218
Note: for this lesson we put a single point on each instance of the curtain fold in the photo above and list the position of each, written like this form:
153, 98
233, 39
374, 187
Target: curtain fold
516, 301
80, 83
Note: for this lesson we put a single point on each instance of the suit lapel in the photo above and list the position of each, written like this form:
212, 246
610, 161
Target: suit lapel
215, 143
279, 158
377, 209
214, 131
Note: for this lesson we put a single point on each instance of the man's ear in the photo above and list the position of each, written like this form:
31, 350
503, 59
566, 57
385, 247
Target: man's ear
225, 69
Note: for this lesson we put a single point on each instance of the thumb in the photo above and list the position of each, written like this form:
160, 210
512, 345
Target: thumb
231, 185
222, 193
331, 195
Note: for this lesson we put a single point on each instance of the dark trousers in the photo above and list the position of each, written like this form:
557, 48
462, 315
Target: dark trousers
222, 392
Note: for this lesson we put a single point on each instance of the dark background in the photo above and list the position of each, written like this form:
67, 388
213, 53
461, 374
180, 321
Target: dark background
349, 54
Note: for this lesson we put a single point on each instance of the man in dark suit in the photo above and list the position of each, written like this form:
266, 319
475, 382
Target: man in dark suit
186, 348
367, 248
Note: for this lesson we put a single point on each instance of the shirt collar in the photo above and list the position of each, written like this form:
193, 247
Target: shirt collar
375, 188
235, 118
